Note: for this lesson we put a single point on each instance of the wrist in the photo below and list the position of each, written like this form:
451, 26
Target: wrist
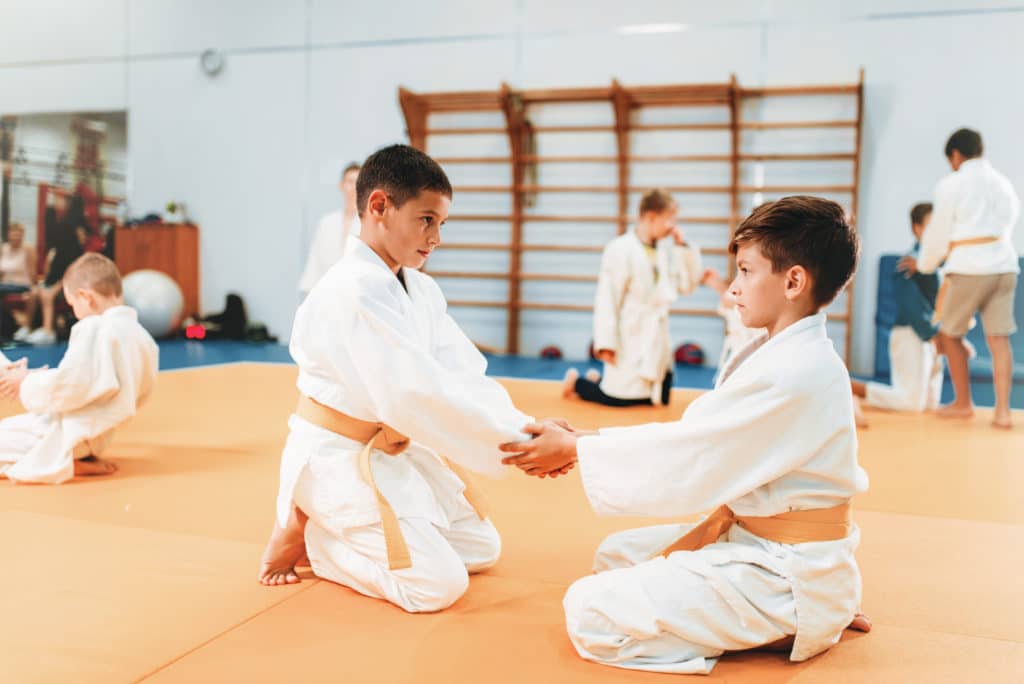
571, 448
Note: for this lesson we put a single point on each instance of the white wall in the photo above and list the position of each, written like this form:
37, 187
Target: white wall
309, 85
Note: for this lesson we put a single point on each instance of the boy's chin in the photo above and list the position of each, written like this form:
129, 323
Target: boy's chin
748, 320
416, 261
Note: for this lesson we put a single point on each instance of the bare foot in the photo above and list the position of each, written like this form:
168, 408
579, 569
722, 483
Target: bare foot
955, 411
1002, 422
569, 383
90, 466
861, 623
285, 550
593, 375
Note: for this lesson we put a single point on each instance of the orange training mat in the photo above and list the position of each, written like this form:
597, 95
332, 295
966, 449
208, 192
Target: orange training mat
150, 575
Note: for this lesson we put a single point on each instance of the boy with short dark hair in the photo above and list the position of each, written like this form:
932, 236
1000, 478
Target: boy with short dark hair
915, 364
388, 384
772, 450
971, 232
107, 373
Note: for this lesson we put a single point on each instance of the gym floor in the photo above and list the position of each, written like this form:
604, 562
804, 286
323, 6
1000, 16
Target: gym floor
150, 575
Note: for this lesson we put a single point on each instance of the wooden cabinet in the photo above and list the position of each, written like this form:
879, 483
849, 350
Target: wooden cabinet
172, 248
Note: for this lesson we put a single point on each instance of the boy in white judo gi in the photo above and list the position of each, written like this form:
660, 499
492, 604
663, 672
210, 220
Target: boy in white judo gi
390, 389
642, 274
772, 450
971, 236
107, 373
916, 364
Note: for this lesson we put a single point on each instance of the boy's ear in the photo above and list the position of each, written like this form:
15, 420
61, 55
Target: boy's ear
376, 203
798, 281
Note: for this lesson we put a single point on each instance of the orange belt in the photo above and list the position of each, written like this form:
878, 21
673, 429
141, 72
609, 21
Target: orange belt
794, 527
940, 297
382, 438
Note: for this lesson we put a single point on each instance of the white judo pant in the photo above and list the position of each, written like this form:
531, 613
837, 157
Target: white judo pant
442, 555
916, 374
677, 614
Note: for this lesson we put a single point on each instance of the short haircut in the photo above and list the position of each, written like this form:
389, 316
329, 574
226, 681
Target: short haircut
804, 231
94, 271
16, 225
352, 166
920, 212
966, 142
402, 172
656, 200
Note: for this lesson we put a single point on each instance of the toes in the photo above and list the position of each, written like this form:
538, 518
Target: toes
861, 623
276, 578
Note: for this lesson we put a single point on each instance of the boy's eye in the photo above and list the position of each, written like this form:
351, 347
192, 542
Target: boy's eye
427, 220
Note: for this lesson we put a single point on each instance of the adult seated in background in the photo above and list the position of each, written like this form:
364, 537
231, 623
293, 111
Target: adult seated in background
66, 240
976, 210
18, 276
333, 232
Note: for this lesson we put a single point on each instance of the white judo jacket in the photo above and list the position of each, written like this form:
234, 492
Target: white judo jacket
107, 373
775, 435
631, 312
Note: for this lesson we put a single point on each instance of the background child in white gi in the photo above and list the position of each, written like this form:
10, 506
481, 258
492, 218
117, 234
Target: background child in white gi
642, 273
915, 362
375, 347
106, 374
773, 445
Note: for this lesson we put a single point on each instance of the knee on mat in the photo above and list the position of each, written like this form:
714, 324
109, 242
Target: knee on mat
443, 586
488, 550
592, 632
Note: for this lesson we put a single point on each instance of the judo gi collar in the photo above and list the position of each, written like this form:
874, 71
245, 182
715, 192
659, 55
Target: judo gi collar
365, 253
814, 322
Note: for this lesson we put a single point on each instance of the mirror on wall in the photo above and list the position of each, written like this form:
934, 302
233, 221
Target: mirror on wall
60, 169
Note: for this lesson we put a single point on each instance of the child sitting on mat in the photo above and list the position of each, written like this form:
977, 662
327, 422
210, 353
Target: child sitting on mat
107, 372
640, 278
915, 361
772, 450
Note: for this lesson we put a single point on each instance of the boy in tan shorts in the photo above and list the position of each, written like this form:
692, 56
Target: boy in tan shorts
976, 209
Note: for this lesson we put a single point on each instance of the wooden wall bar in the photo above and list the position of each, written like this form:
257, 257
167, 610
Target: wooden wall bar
624, 102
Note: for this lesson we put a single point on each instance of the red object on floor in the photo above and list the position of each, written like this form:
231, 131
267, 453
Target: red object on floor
195, 332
